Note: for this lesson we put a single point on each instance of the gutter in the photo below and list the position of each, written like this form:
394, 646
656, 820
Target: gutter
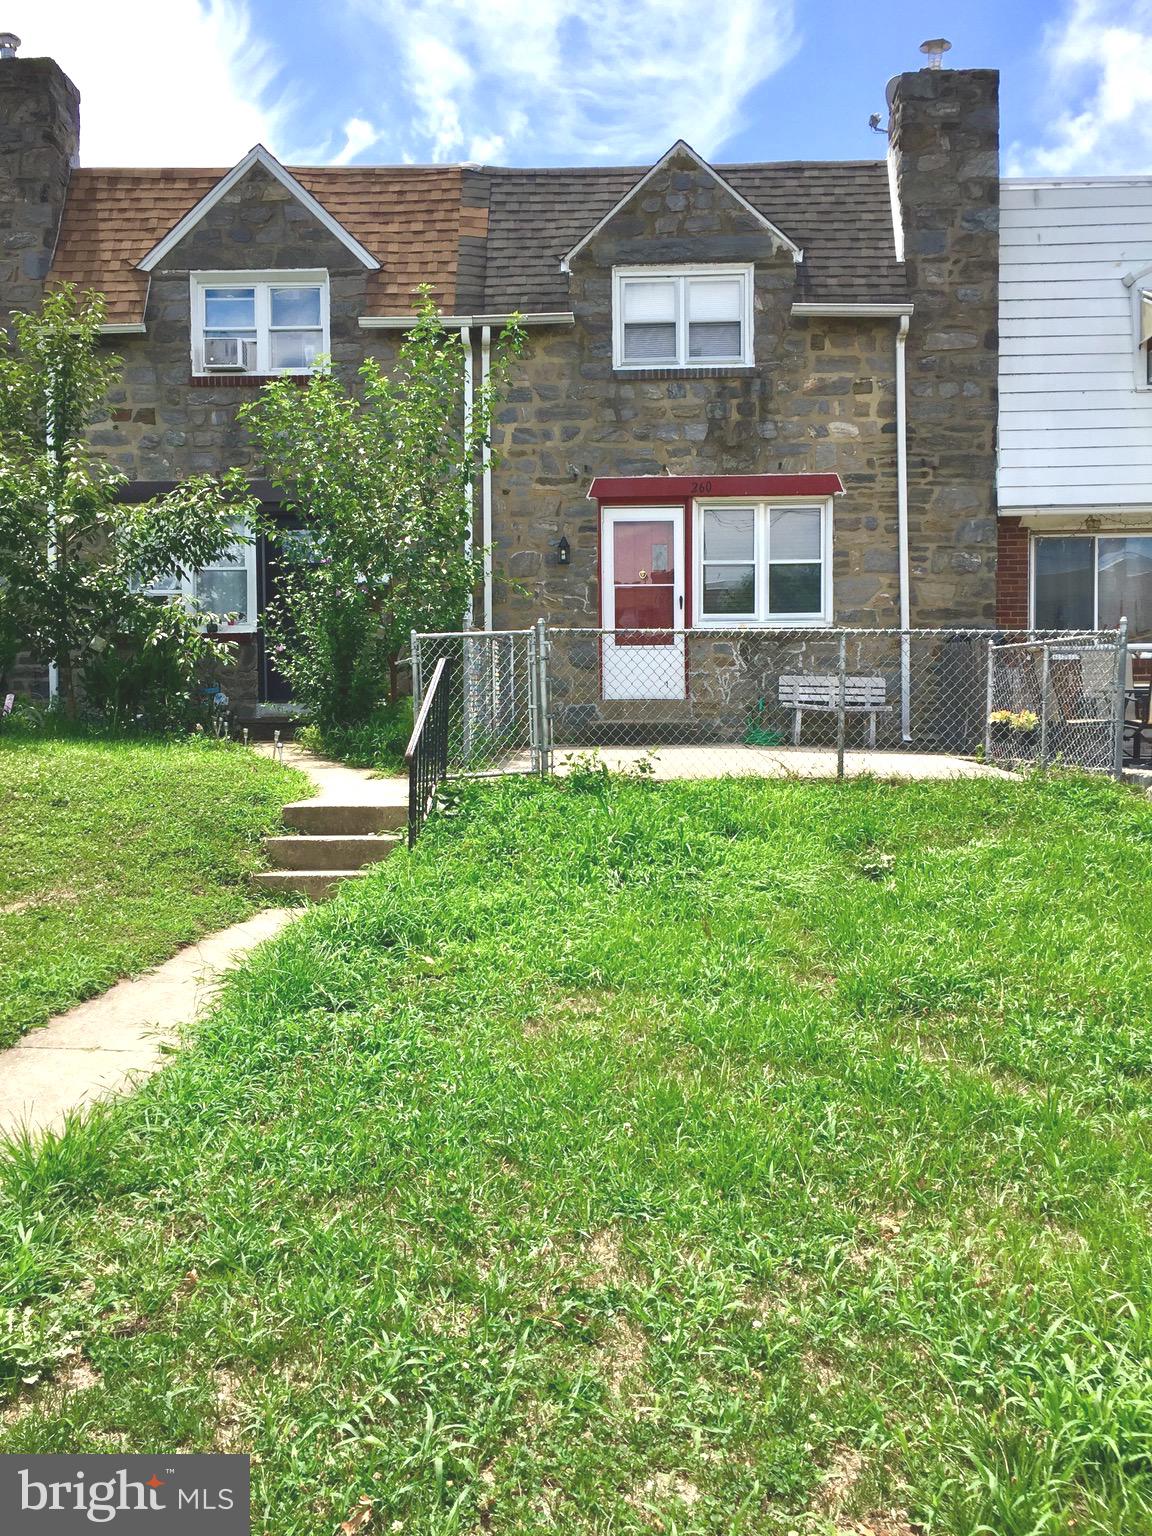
902, 530
902, 312
469, 493
486, 479
464, 322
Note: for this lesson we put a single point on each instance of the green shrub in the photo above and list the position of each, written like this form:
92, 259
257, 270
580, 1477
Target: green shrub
378, 743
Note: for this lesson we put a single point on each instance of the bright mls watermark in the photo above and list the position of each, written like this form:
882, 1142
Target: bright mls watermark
59, 1495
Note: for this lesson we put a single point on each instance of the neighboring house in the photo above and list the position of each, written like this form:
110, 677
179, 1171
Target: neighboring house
1075, 477
755, 394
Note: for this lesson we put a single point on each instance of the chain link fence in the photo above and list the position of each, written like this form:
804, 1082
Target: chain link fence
708, 702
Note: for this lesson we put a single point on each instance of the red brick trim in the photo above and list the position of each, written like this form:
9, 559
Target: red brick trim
659, 488
244, 380
1011, 574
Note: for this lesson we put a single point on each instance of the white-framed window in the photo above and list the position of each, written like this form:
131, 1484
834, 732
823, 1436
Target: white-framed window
1092, 581
763, 562
224, 592
258, 322
681, 317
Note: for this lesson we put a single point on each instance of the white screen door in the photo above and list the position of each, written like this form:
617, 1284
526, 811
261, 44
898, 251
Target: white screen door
643, 568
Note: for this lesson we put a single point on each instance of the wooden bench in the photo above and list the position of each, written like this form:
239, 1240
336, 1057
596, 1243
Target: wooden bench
820, 694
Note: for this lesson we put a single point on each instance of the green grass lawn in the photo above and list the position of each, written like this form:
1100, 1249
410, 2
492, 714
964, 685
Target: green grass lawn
743, 1157
114, 852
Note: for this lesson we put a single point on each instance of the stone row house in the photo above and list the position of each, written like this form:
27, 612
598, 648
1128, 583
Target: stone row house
759, 394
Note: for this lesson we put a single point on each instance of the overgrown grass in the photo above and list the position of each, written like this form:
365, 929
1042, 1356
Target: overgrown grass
114, 852
705, 1158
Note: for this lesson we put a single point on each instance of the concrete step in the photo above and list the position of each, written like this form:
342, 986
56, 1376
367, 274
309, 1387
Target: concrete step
316, 884
322, 818
322, 853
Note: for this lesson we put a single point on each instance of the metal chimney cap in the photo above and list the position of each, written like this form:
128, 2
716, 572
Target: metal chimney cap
9, 43
935, 48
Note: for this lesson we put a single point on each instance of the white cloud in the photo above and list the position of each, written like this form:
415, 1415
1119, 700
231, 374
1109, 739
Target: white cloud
175, 83
578, 80
1099, 65
359, 135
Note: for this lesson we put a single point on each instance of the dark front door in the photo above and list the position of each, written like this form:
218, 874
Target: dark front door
285, 549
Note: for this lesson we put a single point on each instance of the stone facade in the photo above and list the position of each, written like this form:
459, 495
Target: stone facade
820, 397
39, 143
945, 145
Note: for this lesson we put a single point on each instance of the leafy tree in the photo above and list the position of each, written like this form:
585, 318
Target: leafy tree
73, 558
380, 476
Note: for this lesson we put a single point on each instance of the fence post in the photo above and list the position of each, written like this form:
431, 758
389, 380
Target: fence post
543, 718
989, 699
841, 673
417, 676
1045, 668
1119, 678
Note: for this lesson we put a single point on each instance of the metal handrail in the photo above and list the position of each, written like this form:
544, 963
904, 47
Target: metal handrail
426, 755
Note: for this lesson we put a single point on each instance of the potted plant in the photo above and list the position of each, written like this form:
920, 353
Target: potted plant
1014, 729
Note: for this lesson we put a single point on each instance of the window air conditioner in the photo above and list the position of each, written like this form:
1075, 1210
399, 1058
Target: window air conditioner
226, 354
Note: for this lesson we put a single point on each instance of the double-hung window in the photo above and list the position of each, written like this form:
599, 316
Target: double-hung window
763, 564
258, 323
681, 317
1089, 582
223, 592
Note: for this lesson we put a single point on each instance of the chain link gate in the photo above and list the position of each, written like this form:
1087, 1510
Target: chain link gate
708, 702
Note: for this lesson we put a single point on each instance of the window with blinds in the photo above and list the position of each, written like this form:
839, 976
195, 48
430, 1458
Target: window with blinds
682, 317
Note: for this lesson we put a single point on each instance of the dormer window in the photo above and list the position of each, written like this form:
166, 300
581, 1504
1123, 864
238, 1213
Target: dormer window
682, 317
258, 322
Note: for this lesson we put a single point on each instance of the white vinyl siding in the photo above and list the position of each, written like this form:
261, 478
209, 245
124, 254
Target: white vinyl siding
682, 317
1075, 422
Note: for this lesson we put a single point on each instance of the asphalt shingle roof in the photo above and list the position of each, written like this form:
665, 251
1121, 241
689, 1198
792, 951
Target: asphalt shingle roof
838, 212
489, 240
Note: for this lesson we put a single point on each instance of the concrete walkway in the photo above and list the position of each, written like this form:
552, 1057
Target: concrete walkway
336, 783
739, 761
107, 1045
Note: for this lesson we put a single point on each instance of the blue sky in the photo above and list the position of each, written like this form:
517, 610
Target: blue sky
553, 82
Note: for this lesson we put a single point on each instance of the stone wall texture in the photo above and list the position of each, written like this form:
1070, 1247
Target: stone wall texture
945, 142
39, 143
820, 397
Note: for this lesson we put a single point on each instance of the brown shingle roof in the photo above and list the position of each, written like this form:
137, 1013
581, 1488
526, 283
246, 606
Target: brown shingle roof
408, 218
488, 240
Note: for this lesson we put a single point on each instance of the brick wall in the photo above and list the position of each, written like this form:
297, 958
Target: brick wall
1011, 574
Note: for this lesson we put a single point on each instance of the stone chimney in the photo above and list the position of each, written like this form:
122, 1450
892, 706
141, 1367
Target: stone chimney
944, 133
39, 145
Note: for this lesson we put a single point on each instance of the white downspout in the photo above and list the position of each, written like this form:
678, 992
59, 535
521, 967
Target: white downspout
486, 480
902, 533
466, 343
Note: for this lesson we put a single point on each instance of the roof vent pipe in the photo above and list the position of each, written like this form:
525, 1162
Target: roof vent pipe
935, 48
9, 43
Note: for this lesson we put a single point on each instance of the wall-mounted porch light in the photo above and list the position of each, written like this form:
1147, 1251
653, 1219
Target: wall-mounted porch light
563, 551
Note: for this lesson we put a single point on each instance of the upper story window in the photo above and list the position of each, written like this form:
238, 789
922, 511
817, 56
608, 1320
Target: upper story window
1144, 311
258, 322
763, 564
681, 317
